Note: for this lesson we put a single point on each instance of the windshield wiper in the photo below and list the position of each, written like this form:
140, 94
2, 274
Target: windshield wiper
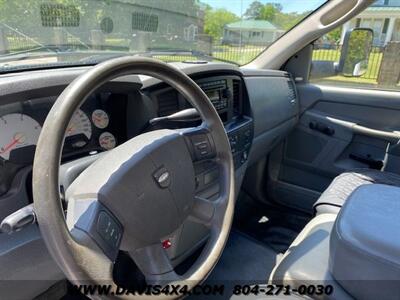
41, 51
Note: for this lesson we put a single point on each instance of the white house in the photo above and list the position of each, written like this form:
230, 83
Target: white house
383, 17
252, 32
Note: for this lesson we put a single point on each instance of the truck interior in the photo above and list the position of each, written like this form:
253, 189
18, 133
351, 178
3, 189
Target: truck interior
153, 166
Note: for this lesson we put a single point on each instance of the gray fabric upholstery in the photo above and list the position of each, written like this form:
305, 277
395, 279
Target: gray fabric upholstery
365, 243
343, 185
307, 259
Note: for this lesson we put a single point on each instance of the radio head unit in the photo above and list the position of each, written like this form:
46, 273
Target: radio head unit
217, 92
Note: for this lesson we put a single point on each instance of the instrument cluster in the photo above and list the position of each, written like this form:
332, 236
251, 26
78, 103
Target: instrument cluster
91, 128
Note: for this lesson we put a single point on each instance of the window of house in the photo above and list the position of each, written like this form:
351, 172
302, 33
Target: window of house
385, 26
144, 22
382, 69
59, 15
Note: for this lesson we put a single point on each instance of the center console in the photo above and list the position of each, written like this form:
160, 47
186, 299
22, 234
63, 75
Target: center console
228, 97
240, 138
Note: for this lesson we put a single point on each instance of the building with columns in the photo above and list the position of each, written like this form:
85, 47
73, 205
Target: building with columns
383, 17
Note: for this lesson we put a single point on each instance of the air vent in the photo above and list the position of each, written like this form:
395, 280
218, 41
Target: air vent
291, 92
236, 97
168, 103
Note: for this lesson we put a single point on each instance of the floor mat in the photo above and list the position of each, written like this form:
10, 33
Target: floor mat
277, 227
244, 261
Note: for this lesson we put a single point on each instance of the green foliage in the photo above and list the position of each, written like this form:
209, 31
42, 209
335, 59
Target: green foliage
215, 20
360, 43
334, 35
254, 10
287, 21
268, 12
272, 12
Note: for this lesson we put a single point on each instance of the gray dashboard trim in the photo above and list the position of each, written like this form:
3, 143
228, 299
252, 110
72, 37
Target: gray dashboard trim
56, 79
195, 69
263, 73
269, 102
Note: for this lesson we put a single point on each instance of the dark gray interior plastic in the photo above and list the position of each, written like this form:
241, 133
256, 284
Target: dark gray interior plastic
22, 249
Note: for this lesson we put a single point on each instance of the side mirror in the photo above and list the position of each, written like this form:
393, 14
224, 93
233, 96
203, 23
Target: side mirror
354, 56
355, 52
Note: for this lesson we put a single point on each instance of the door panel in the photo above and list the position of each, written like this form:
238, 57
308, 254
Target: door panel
340, 129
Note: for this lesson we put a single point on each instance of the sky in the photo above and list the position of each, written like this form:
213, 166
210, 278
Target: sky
239, 6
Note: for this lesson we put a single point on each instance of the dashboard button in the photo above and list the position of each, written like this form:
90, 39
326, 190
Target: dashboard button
108, 229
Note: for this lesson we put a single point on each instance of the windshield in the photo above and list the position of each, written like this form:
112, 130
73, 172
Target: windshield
35, 33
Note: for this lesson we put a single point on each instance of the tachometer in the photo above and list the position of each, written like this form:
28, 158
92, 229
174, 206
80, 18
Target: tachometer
17, 131
79, 130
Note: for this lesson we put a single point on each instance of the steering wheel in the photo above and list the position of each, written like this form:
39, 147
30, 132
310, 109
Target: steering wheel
137, 194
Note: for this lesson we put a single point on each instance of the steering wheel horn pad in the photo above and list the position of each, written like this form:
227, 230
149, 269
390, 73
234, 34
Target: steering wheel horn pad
147, 183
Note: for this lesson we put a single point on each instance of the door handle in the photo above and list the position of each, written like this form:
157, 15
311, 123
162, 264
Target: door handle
390, 136
321, 127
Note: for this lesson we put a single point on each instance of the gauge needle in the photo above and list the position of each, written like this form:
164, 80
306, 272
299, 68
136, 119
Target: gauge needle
70, 129
98, 119
11, 145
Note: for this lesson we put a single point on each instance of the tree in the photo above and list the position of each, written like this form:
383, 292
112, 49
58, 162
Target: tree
254, 10
215, 20
269, 11
259, 11
335, 35
287, 21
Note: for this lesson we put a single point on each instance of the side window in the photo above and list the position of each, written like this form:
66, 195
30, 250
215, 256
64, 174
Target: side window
379, 68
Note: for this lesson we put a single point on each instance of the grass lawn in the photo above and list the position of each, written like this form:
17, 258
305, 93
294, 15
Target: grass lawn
239, 55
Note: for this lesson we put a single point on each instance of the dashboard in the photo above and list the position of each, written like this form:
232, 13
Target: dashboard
257, 108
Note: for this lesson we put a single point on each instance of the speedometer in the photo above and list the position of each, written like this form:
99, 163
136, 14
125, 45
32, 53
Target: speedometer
79, 130
17, 131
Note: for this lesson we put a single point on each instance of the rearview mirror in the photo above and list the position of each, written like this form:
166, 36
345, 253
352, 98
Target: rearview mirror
355, 53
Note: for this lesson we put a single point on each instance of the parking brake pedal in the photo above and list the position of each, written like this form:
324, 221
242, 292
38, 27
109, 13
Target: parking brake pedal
18, 220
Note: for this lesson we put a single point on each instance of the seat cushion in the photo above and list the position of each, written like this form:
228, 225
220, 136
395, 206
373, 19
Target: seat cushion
365, 244
342, 186
306, 262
